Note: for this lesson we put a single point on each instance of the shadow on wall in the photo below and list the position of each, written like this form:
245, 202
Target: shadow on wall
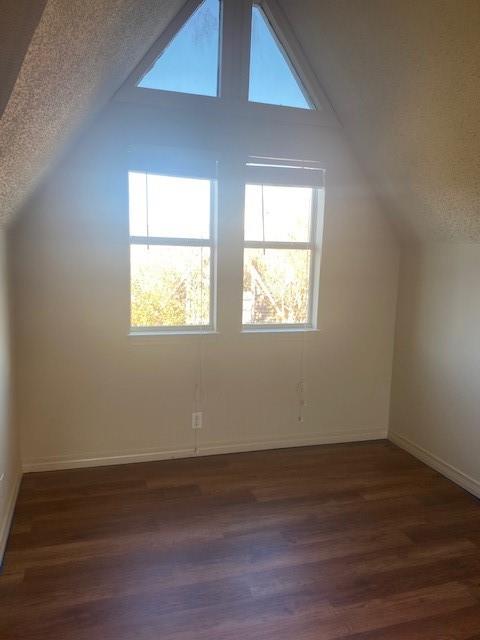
437, 354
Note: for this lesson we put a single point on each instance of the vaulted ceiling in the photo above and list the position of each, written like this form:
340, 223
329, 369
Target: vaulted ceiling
19, 19
403, 77
80, 53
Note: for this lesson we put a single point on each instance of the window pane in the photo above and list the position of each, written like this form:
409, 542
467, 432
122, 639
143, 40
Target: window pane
162, 206
276, 286
272, 79
190, 63
278, 214
170, 286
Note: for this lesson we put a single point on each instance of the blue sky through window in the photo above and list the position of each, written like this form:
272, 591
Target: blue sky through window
190, 62
272, 81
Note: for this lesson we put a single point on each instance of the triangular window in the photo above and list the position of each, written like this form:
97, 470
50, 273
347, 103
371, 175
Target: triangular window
272, 76
190, 62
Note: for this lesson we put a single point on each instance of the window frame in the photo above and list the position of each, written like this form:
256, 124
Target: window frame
285, 173
167, 38
233, 73
210, 242
287, 53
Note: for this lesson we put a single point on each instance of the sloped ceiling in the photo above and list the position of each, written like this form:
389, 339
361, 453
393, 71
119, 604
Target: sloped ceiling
404, 79
81, 51
18, 20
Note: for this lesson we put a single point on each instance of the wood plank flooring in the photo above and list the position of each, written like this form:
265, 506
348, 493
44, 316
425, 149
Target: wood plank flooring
357, 541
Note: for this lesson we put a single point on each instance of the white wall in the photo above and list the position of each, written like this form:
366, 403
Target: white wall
9, 451
87, 392
436, 383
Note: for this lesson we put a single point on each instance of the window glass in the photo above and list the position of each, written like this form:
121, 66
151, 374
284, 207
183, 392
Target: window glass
170, 286
279, 250
276, 286
170, 207
171, 249
280, 214
190, 62
272, 78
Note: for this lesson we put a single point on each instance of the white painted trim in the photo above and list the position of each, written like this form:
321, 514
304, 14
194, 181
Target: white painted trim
7, 520
232, 98
164, 40
230, 110
310, 441
56, 463
310, 84
449, 471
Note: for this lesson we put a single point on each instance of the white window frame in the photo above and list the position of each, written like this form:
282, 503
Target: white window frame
234, 67
291, 173
243, 129
210, 243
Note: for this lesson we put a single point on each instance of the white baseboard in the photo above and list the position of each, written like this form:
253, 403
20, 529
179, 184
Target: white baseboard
63, 462
7, 519
446, 469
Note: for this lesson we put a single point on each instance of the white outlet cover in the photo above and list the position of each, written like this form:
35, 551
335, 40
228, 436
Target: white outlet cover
197, 419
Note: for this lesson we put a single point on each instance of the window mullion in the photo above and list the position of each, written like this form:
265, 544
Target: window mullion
230, 246
235, 49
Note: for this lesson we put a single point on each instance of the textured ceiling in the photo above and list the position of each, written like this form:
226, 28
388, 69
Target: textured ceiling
18, 19
403, 76
404, 79
80, 53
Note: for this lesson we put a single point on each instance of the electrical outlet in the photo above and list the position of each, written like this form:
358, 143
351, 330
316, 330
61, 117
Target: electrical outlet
2, 477
197, 419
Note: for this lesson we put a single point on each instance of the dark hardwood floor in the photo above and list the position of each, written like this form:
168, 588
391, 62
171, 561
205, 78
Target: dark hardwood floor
357, 541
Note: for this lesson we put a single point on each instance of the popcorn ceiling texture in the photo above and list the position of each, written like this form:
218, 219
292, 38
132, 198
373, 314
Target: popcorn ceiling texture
18, 21
79, 55
403, 75
404, 79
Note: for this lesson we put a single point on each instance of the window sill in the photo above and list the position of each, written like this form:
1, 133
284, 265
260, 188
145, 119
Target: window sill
147, 337
174, 337
287, 333
278, 330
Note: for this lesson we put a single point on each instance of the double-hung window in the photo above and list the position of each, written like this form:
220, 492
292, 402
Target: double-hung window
173, 248
283, 209
172, 252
